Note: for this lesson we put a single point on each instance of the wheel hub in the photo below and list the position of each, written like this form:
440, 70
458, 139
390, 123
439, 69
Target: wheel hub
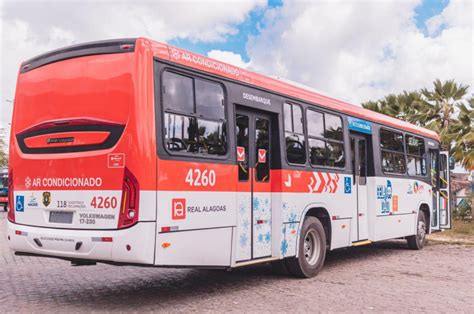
311, 247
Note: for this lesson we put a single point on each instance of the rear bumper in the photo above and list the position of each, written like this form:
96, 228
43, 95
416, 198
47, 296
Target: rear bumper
95, 244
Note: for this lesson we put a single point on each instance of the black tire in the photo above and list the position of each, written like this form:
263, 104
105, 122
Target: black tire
279, 267
311, 250
418, 241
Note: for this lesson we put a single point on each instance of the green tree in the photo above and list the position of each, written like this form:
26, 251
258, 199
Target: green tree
3, 155
444, 109
402, 106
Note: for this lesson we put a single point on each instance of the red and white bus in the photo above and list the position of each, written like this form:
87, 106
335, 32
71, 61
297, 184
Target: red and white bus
136, 152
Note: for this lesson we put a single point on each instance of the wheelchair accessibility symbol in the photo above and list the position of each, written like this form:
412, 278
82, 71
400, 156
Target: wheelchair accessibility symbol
347, 185
20, 203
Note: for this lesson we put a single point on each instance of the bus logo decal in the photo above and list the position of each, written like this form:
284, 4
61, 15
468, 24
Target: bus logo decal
240, 153
384, 194
116, 160
178, 206
262, 156
46, 198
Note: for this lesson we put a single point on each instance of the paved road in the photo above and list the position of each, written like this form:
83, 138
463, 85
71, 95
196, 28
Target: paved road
381, 277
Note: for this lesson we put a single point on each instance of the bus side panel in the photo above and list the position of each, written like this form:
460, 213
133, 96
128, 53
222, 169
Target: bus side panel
316, 190
206, 247
196, 213
396, 206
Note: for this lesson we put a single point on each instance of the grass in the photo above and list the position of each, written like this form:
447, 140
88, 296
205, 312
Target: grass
462, 232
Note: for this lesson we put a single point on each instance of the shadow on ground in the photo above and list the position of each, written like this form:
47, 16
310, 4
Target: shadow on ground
162, 288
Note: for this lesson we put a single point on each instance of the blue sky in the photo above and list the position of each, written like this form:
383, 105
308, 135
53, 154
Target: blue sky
360, 58
237, 43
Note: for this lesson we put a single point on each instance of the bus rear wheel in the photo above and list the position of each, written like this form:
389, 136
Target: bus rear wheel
312, 250
418, 241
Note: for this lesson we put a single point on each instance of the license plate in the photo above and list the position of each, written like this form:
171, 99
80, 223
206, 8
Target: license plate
60, 217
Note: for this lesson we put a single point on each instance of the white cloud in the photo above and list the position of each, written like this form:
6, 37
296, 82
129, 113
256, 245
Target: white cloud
30, 28
363, 50
228, 57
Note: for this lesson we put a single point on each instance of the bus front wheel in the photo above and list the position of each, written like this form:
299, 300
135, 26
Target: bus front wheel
312, 250
418, 241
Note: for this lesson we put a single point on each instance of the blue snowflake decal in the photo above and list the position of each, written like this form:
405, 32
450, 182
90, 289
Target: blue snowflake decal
284, 247
292, 217
243, 240
242, 209
268, 237
256, 203
260, 238
245, 223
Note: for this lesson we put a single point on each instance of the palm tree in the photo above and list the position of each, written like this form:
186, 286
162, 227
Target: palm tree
438, 113
444, 110
402, 106
463, 148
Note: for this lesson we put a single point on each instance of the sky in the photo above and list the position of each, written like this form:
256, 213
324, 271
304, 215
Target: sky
352, 50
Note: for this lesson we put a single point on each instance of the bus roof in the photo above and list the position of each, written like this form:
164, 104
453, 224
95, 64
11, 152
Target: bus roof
196, 61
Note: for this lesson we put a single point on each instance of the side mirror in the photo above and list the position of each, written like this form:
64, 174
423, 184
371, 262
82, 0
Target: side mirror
452, 163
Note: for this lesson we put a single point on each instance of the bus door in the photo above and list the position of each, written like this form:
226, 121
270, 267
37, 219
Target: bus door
359, 177
441, 212
444, 192
434, 166
254, 208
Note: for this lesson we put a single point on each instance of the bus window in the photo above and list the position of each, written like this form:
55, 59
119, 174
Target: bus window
434, 169
209, 99
317, 152
415, 148
194, 115
333, 127
393, 154
294, 137
178, 92
325, 139
362, 162
262, 148
242, 132
443, 172
180, 133
211, 137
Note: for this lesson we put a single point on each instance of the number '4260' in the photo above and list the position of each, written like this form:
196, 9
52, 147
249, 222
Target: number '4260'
198, 177
104, 202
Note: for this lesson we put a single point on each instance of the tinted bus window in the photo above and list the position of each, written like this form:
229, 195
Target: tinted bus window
294, 138
242, 132
178, 92
416, 162
194, 118
393, 156
180, 133
315, 122
325, 139
209, 99
262, 142
333, 127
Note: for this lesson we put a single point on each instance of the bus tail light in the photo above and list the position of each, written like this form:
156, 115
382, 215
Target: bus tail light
128, 215
11, 200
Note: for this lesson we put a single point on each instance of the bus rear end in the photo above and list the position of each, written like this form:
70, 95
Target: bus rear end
78, 189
